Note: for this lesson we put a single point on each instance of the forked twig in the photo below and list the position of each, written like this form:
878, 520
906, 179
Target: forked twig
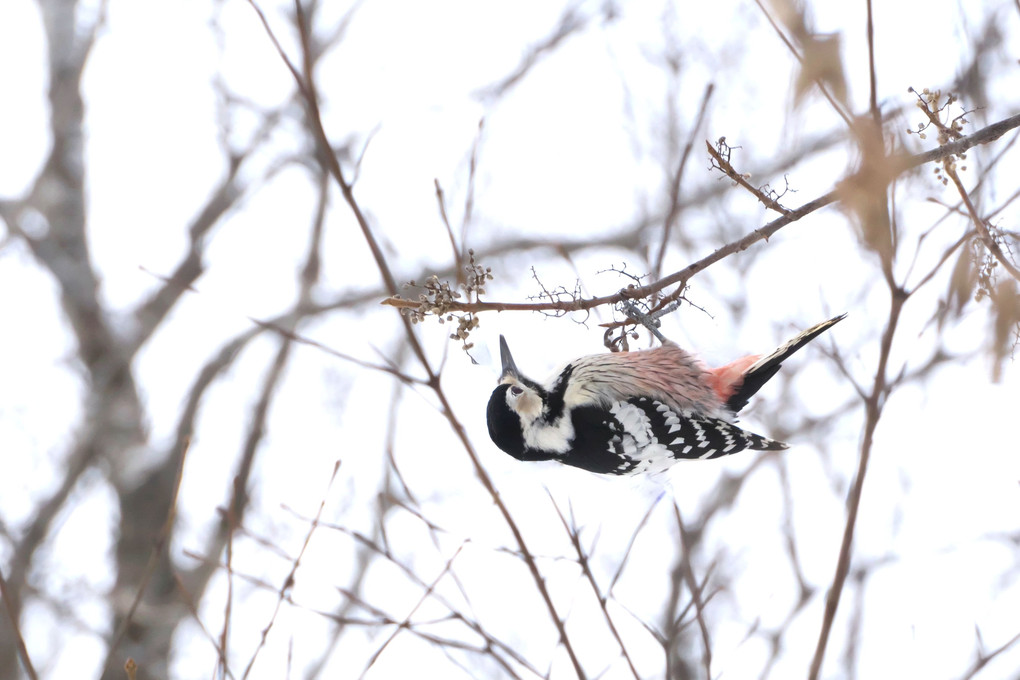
306, 86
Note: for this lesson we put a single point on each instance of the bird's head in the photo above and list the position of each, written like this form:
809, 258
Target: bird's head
515, 405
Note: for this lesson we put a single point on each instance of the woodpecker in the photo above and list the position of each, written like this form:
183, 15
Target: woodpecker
633, 412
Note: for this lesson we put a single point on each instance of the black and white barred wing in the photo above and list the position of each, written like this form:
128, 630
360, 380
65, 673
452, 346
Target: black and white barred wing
642, 435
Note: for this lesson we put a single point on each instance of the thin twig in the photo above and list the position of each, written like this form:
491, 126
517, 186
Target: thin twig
876, 113
674, 190
900, 165
723, 163
189, 602
405, 624
836, 106
873, 412
630, 544
983, 659
288, 582
441, 200
692, 583
383, 552
582, 560
26, 660
307, 87
979, 224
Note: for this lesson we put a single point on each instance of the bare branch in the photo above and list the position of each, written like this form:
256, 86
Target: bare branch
984, 658
674, 190
582, 560
720, 154
982, 229
288, 582
306, 86
898, 165
12, 617
873, 406
692, 584
154, 558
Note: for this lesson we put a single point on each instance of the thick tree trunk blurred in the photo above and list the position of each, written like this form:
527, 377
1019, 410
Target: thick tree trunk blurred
112, 433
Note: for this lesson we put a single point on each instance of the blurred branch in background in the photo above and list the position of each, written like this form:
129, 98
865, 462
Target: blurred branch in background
308, 491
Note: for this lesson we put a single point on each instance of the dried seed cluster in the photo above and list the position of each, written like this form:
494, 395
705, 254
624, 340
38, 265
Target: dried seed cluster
936, 110
439, 298
987, 263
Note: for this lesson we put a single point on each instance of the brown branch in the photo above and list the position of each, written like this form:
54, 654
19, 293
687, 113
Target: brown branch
469, 193
111, 423
692, 583
873, 406
406, 622
983, 658
239, 500
306, 86
627, 238
12, 616
161, 544
723, 163
383, 552
630, 546
441, 200
582, 560
900, 165
233, 517
569, 23
637, 292
279, 328
674, 190
982, 136
839, 108
979, 224
223, 199
288, 582
876, 113
526, 554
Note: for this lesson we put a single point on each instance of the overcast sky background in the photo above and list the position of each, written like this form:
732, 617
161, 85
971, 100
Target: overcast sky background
573, 152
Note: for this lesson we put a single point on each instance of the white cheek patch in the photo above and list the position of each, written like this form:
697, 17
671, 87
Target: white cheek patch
528, 405
538, 434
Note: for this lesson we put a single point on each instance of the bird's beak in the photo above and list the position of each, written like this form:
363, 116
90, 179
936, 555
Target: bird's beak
509, 367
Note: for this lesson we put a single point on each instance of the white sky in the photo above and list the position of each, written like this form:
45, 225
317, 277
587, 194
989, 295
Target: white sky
572, 151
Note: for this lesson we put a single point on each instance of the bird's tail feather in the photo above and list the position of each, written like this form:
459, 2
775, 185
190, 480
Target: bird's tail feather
763, 369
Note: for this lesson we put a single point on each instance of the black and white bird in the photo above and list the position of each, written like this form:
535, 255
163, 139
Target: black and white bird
633, 412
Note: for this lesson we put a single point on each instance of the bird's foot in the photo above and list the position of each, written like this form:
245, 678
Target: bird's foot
646, 319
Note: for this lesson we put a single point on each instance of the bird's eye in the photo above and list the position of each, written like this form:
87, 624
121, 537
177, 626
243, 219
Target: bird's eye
516, 391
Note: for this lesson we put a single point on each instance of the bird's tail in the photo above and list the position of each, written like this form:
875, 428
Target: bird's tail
764, 368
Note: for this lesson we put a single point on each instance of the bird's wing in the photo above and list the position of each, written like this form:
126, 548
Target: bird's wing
642, 434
